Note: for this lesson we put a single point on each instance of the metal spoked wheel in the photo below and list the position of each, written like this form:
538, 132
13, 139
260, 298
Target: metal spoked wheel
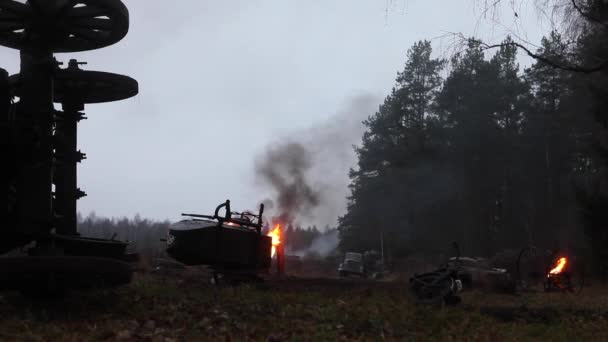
62, 25
88, 86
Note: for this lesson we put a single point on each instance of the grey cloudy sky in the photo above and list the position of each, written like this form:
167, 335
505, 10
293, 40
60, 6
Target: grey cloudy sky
220, 80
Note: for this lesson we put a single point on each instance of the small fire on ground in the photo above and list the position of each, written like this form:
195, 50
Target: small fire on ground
275, 234
559, 267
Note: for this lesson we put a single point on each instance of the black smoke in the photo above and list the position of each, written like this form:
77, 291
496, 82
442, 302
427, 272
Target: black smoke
284, 168
306, 170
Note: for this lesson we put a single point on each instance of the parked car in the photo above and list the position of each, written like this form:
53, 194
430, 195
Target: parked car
352, 265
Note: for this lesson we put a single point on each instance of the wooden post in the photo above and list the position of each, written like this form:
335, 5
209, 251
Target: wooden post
280, 250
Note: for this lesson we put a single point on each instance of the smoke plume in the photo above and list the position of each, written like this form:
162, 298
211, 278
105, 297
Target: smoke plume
284, 167
306, 171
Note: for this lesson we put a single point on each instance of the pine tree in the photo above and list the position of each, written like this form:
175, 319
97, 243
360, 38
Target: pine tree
553, 141
592, 49
468, 103
395, 141
511, 95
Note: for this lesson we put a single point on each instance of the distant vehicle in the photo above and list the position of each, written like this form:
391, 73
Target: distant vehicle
478, 273
352, 265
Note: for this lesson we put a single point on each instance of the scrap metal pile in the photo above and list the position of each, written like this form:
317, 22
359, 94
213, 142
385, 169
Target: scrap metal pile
42, 147
534, 271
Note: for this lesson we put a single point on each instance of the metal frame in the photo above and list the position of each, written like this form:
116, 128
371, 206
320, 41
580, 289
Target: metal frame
44, 144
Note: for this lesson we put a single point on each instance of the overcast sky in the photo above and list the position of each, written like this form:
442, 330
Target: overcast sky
220, 80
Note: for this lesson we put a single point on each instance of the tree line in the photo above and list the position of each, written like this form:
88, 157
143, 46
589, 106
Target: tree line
483, 152
144, 235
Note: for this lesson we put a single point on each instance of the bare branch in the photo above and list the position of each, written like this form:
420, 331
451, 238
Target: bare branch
559, 15
563, 65
586, 15
574, 18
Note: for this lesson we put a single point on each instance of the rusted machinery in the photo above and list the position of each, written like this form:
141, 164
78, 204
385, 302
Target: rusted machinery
232, 245
42, 148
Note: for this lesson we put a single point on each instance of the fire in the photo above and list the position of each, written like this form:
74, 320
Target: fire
275, 234
559, 267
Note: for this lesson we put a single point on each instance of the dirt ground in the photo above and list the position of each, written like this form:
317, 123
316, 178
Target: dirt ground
183, 306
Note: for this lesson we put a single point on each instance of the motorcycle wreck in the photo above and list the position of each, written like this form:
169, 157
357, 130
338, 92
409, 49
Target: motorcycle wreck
439, 287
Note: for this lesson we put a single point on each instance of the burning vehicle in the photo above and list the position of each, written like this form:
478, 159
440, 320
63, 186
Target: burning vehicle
232, 245
564, 276
549, 271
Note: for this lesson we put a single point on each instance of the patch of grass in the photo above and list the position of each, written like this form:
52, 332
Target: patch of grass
176, 310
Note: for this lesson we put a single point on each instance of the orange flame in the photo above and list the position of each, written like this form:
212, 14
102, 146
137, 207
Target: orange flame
559, 267
275, 234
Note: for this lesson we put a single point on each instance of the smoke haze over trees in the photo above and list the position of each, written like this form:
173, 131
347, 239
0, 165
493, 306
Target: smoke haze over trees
492, 156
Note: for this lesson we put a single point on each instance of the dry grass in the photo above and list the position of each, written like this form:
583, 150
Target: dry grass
187, 309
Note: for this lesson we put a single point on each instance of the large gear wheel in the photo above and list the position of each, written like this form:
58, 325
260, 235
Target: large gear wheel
88, 87
62, 25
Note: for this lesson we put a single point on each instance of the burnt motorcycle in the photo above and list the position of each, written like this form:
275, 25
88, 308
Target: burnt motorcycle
441, 286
